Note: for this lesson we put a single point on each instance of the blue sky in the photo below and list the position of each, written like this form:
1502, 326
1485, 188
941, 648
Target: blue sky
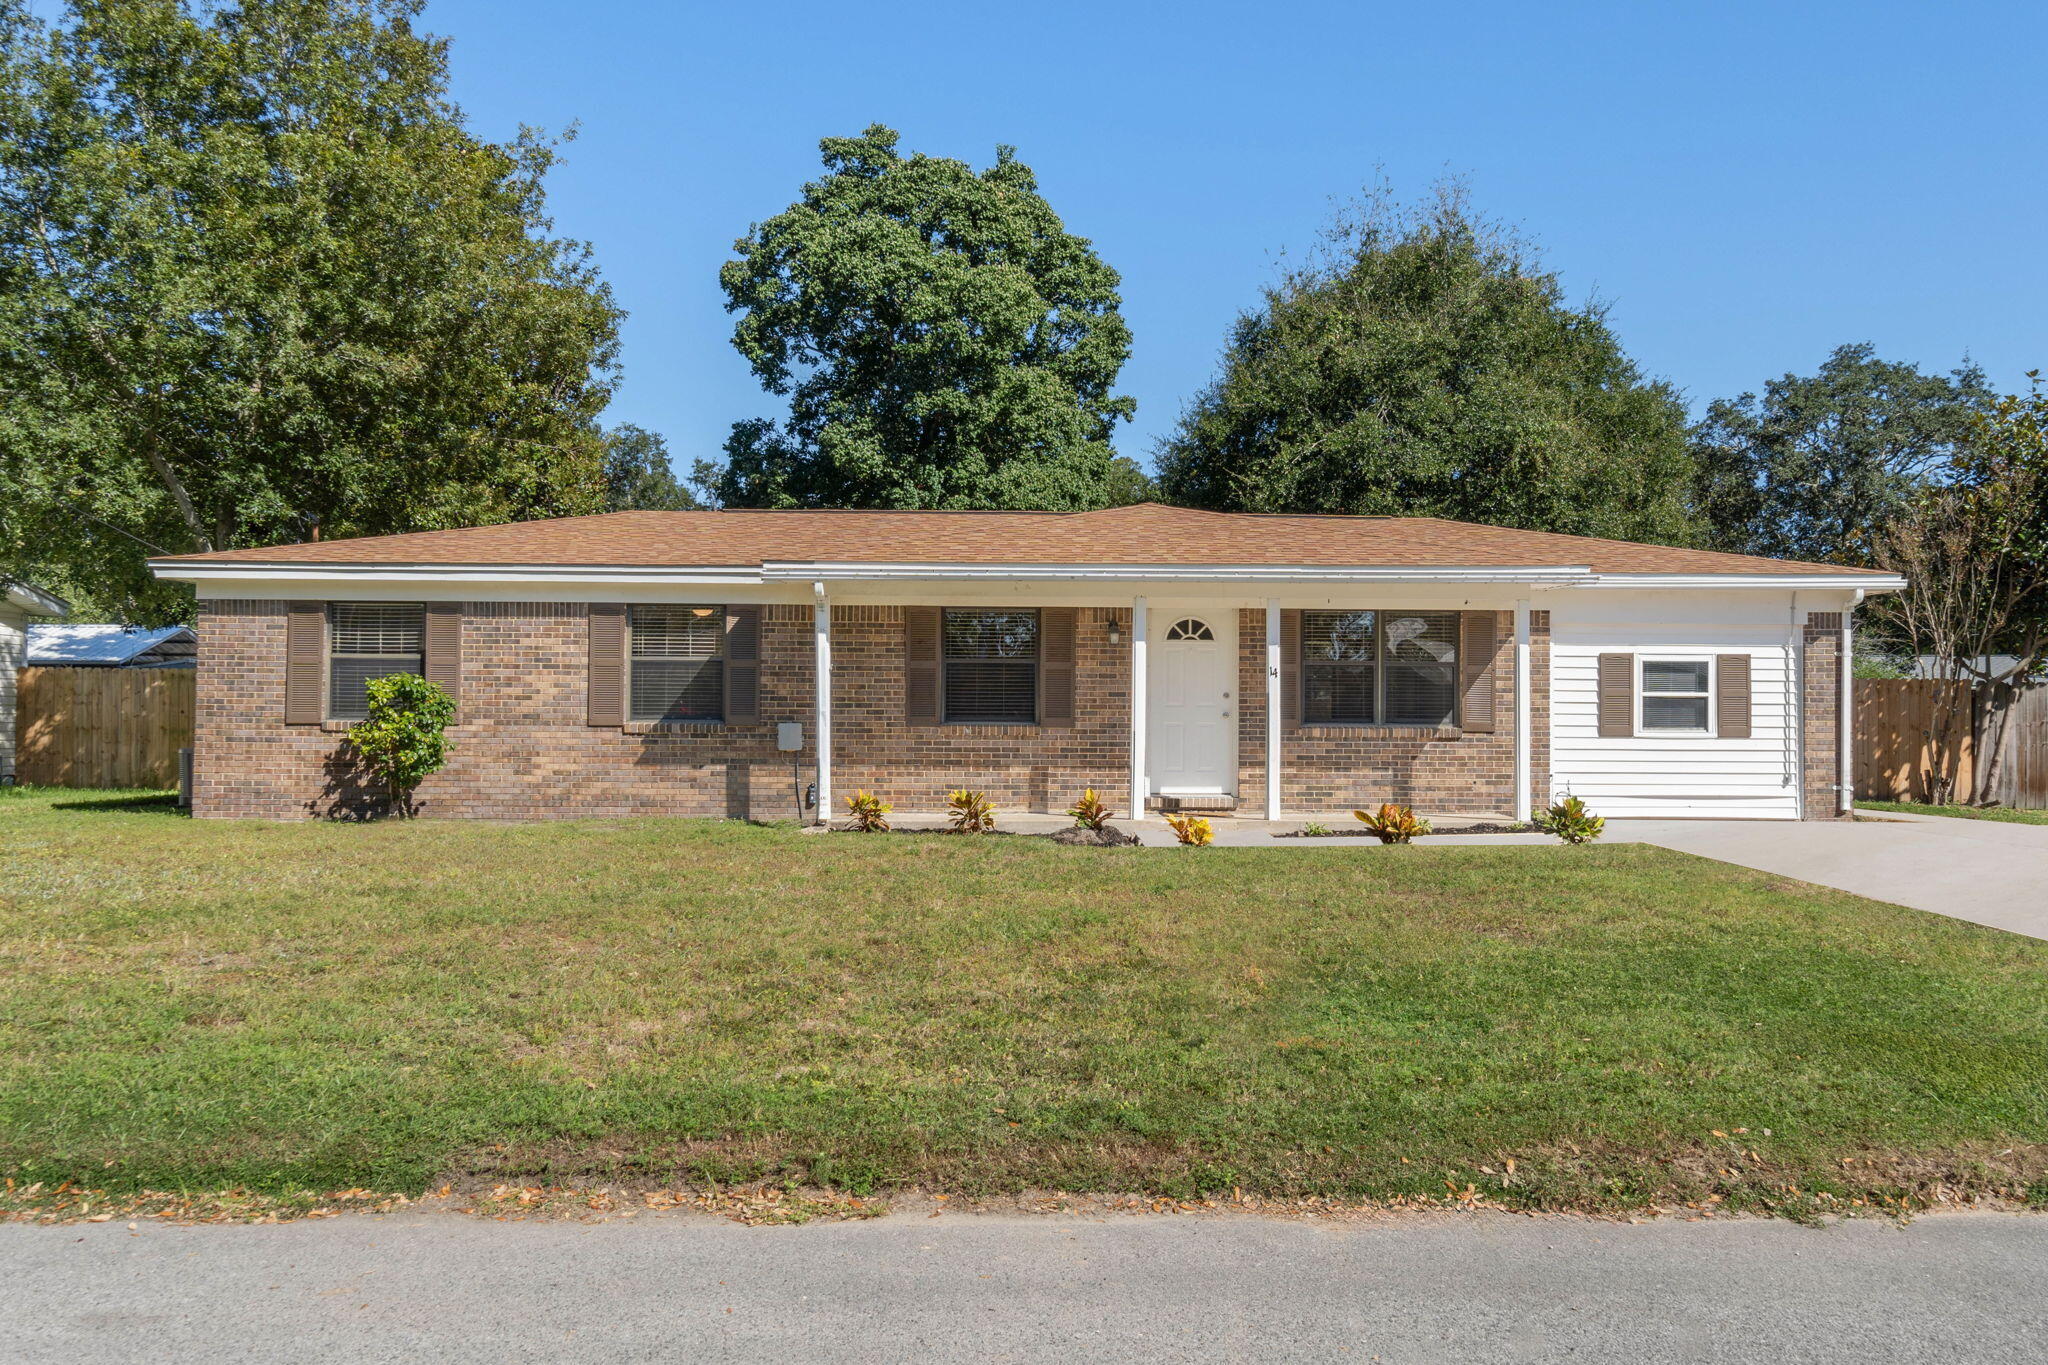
1747, 185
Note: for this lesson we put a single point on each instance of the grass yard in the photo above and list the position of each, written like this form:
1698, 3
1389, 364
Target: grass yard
204, 1005
2003, 813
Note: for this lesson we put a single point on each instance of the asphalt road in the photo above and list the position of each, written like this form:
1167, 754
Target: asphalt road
1951, 1288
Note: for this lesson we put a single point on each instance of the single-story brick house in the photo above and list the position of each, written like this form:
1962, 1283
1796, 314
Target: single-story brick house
679, 663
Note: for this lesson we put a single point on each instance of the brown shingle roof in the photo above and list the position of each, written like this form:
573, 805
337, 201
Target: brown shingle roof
1147, 534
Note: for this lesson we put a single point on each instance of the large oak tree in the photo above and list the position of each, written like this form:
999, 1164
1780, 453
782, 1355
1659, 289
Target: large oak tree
256, 275
1423, 363
943, 339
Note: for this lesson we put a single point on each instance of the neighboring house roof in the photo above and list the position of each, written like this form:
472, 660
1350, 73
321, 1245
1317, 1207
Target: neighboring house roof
34, 600
110, 646
1148, 534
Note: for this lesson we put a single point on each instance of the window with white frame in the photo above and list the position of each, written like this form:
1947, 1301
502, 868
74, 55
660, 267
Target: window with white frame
675, 660
368, 640
1676, 695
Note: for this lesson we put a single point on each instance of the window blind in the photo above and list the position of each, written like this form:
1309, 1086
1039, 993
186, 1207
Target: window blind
368, 640
675, 661
991, 666
1421, 650
1376, 667
1340, 666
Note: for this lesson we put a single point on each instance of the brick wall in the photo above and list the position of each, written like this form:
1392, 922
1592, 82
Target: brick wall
1021, 767
523, 751
1334, 769
1820, 699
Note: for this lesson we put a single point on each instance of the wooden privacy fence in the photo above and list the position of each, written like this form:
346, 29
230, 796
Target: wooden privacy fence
102, 727
1900, 742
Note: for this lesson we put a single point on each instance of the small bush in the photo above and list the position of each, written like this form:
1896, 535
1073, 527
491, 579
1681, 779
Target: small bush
404, 741
1192, 830
971, 812
870, 813
1090, 812
1393, 824
1570, 821
1315, 829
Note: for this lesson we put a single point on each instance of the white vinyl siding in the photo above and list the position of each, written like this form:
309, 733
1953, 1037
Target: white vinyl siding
13, 649
1675, 774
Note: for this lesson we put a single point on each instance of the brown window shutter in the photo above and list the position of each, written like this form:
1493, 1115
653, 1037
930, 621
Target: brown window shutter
607, 676
1478, 643
921, 660
305, 663
1290, 670
1056, 628
1617, 696
1731, 696
742, 665
444, 646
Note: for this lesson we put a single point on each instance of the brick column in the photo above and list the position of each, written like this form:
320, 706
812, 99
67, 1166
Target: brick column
1820, 699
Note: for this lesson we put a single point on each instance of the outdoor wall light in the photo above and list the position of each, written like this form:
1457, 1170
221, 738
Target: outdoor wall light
1116, 632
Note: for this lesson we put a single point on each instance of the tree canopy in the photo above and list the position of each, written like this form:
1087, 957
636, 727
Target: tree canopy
256, 275
1818, 464
1421, 362
638, 475
944, 342
1972, 544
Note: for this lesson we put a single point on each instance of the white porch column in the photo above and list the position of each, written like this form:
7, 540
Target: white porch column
821, 638
1522, 711
1273, 754
1845, 707
1138, 615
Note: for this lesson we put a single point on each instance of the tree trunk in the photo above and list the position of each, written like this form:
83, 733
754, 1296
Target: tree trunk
1994, 713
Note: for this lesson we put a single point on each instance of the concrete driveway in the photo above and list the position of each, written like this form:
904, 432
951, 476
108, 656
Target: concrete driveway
1979, 870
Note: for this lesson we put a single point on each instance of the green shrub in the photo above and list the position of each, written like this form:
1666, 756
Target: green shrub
405, 739
971, 812
1570, 821
870, 813
1393, 824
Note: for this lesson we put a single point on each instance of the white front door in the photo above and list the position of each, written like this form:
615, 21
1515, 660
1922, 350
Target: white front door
1191, 701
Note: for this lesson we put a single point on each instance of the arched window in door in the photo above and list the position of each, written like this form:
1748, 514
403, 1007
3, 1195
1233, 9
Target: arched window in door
1188, 628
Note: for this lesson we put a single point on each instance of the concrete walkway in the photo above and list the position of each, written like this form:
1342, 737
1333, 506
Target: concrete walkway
1479, 1288
1983, 871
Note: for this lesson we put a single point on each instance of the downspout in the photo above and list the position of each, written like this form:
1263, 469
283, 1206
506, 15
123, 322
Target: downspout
821, 638
1523, 712
1845, 781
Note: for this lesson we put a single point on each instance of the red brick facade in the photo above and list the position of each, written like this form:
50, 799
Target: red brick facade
523, 748
1820, 711
1336, 768
1021, 767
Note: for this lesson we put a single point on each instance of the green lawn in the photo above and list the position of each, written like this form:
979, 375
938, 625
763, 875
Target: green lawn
203, 1005
2016, 817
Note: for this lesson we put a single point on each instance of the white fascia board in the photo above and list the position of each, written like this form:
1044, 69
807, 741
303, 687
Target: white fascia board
34, 600
455, 573
781, 570
1775, 582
